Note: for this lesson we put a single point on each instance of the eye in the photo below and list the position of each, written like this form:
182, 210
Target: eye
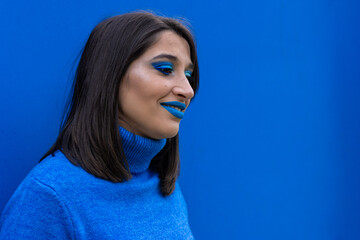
188, 75
164, 67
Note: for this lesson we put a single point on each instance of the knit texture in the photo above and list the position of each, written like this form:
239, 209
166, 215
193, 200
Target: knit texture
139, 151
59, 200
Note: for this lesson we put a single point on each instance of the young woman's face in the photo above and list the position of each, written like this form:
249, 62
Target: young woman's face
155, 90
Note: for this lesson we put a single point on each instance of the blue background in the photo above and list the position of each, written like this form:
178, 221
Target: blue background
269, 148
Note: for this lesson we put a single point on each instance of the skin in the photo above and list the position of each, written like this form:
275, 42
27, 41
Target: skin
143, 88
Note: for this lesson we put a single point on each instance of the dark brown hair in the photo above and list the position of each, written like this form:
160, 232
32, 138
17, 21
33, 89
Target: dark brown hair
89, 135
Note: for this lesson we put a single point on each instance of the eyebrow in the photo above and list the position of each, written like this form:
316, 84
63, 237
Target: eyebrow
171, 58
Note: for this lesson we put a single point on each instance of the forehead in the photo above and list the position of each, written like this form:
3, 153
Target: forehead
170, 43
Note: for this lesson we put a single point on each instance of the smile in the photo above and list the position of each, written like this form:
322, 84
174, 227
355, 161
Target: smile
175, 108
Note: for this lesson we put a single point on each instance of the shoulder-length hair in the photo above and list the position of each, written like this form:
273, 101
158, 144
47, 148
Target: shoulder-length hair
89, 135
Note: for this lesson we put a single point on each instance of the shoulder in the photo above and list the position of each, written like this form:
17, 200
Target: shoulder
50, 175
54, 169
46, 185
36, 208
58, 173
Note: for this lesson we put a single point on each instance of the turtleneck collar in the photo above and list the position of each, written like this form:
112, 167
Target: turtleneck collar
139, 151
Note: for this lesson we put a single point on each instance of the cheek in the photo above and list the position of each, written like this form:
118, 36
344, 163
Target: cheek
143, 93
149, 90
135, 86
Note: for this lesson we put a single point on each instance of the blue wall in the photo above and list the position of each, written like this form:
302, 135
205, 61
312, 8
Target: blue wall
270, 147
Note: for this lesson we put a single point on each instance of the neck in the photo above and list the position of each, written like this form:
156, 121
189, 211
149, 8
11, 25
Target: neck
139, 151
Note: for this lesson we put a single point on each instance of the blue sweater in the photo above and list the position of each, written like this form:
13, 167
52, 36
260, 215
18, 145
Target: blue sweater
59, 200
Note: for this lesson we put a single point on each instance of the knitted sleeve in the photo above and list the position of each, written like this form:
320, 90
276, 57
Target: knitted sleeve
36, 211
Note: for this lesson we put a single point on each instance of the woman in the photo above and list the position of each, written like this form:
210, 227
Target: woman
112, 171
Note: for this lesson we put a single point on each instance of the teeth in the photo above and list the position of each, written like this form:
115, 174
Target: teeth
173, 107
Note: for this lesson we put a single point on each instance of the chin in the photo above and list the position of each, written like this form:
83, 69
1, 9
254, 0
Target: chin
172, 134
168, 132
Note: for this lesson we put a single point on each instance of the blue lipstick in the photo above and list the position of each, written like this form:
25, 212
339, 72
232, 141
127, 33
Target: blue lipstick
176, 113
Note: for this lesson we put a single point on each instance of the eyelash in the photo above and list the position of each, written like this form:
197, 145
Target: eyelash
188, 75
167, 68
164, 67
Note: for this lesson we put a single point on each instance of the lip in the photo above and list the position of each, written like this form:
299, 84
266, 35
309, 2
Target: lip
176, 113
180, 105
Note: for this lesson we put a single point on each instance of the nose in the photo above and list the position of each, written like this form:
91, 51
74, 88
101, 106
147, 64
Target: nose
183, 89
